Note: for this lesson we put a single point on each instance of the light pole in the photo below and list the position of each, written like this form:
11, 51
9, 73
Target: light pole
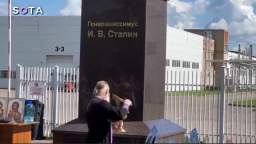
9, 47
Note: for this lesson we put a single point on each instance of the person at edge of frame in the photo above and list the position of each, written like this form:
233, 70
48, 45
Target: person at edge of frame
100, 113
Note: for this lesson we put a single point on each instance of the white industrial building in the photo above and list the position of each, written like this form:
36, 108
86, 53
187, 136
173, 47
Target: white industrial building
241, 70
240, 58
50, 41
39, 41
184, 59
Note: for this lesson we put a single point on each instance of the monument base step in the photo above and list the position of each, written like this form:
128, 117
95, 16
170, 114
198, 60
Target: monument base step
136, 132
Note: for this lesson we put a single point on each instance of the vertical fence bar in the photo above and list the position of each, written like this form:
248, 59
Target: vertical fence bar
73, 93
241, 97
200, 111
216, 102
40, 80
204, 112
18, 81
251, 92
58, 95
36, 77
179, 100
237, 88
167, 110
27, 82
196, 106
246, 103
69, 94
53, 94
65, 92
188, 109
62, 83
207, 88
218, 111
192, 100
222, 105
183, 100
187, 103
168, 95
232, 100
45, 99
24, 87
77, 92
211, 86
171, 84
44, 76
255, 106
226, 77
175, 95
54, 97
21, 81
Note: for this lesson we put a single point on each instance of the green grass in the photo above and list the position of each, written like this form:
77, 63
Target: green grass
245, 103
193, 93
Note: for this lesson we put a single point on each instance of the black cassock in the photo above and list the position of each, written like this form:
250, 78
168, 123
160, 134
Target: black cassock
99, 116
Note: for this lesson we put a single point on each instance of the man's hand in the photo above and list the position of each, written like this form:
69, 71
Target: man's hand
127, 102
126, 105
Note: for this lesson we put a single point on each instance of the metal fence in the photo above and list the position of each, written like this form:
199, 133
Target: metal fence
60, 93
223, 113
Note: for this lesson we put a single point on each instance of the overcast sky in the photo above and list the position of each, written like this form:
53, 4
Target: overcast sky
238, 17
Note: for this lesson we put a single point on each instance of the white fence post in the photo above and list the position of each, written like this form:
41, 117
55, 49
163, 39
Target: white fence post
55, 95
18, 81
222, 105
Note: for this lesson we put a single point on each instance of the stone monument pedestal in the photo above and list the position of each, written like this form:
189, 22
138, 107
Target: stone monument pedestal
136, 132
124, 43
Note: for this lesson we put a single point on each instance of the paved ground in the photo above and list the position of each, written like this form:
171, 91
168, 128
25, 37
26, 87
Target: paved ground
202, 113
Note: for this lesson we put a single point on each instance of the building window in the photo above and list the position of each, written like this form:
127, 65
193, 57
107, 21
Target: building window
167, 63
175, 63
186, 64
195, 65
4, 74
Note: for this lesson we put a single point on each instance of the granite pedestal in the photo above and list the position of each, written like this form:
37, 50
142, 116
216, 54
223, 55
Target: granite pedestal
136, 132
124, 43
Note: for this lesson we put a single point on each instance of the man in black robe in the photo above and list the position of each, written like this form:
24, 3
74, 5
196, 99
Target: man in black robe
100, 113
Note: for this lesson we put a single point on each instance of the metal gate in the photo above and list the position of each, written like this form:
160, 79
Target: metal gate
60, 92
223, 113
